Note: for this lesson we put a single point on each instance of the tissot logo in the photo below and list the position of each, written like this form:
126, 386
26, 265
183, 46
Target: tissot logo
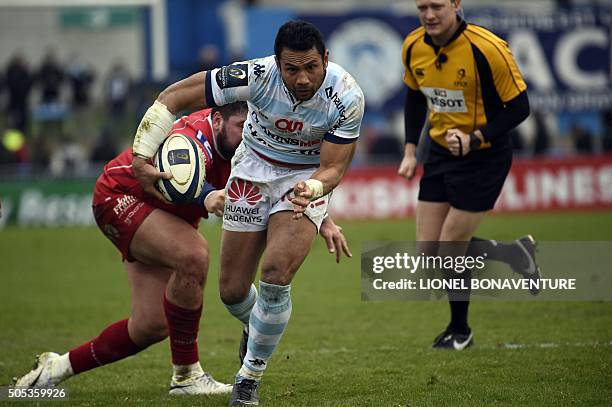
245, 191
445, 100
288, 126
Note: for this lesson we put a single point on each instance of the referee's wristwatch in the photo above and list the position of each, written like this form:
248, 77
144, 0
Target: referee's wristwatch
475, 142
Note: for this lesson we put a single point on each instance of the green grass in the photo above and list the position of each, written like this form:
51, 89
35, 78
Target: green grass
59, 288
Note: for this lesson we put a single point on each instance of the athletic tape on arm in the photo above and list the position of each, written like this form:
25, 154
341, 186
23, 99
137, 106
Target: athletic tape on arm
153, 130
316, 187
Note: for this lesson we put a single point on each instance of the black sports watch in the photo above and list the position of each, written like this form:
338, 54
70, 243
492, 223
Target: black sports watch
475, 142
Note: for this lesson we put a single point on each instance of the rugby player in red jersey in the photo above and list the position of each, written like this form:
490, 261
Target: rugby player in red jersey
165, 257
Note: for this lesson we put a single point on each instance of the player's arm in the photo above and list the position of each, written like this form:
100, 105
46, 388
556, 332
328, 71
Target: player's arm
157, 123
335, 160
415, 113
334, 238
337, 150
212, 200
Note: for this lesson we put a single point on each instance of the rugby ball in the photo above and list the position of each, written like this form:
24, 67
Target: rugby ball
184, 159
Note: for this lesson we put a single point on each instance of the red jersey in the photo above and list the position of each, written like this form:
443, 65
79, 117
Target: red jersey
118, 173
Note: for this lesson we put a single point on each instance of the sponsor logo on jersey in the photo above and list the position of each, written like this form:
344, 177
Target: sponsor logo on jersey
445, 100
419, 72
240, 190
460, 81
232, 76
329, 92
285, 126
123, 203
236, 73
288, 126
259, 70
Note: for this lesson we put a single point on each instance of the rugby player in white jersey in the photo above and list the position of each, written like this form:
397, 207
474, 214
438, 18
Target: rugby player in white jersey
298, 141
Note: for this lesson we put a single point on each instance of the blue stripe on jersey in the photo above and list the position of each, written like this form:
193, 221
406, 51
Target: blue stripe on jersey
338, 140
208, 92
208, 148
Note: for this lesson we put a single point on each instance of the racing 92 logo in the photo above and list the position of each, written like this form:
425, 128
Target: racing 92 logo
288, 126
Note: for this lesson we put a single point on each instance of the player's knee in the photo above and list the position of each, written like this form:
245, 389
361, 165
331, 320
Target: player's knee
232, 293
277, 272
455, 231
193, 264
149, 330
155, 331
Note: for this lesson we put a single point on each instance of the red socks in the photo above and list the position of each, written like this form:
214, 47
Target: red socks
183, 325
113, 344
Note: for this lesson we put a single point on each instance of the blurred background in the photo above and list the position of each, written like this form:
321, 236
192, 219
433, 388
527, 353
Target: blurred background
77, 75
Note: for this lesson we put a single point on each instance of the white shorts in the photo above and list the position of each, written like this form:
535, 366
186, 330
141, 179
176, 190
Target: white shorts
257, 189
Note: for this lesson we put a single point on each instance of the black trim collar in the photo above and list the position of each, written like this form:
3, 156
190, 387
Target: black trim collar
462, 27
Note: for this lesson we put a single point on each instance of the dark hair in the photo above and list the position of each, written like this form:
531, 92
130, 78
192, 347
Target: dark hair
231, 109
298, 35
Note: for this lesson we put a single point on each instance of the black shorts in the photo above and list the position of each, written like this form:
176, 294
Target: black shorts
471, 183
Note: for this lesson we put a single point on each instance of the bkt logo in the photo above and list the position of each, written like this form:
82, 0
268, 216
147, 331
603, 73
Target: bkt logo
288, 126
243, 190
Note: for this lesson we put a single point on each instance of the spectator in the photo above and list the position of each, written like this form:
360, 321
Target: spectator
541, 144
18, 81
81, 76
606, 118
50, 76
582, 139
105, 148
118, 85
386, 148
68, 158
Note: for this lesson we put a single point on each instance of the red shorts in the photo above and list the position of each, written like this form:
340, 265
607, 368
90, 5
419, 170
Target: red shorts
119, 212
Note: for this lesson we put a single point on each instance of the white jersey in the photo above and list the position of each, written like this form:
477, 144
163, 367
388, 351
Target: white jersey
280, 127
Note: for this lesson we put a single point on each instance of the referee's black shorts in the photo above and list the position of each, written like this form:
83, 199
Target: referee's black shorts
471, 183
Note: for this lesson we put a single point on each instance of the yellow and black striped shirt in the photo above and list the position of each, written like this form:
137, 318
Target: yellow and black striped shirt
466, 83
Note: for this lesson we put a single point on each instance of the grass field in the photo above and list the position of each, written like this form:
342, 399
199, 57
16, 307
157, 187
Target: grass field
59, 288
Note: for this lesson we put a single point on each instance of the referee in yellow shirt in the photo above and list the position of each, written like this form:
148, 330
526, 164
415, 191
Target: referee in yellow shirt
468, 80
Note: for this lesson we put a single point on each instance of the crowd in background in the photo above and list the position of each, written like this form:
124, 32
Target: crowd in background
52, 123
